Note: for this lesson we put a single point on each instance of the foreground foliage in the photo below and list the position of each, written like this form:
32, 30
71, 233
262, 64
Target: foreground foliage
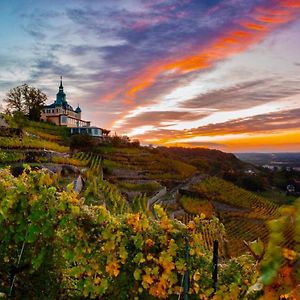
53, 246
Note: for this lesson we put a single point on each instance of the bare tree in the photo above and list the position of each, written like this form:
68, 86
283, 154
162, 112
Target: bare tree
26, 99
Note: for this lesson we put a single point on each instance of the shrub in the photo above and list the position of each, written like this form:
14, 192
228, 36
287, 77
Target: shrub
82, 141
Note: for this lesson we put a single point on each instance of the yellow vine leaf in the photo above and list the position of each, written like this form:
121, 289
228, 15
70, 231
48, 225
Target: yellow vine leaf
112, 268
147, 280
289, 254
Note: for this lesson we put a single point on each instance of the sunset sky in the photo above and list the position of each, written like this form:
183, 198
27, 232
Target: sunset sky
209, 73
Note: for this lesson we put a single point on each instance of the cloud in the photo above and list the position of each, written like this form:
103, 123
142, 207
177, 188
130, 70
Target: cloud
161, 118
202, 144
129, 62
244, 34
289, 119
245, 94
262, 124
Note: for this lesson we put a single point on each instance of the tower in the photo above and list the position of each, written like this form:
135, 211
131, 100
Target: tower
78, 112
60, 96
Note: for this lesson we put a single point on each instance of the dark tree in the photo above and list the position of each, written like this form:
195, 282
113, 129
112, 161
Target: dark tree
34, 100
26, 99
14, 100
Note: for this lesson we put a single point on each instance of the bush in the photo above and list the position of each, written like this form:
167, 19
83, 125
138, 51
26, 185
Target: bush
82, 142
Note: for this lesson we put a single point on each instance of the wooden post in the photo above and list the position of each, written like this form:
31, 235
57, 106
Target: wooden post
215, 266
186, 273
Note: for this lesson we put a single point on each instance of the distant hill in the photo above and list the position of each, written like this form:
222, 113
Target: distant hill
206, 160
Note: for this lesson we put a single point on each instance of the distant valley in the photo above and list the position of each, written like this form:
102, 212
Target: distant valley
281, 160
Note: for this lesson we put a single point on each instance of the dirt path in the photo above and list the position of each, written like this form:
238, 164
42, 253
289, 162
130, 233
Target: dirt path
169, 197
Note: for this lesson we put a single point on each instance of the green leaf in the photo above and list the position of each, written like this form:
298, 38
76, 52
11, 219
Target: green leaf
137, 274
139, 258
38, 260
33, 231
103, 286
257, 247
138, 241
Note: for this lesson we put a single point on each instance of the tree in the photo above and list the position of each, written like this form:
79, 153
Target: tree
14, 100
34, 100
26, 99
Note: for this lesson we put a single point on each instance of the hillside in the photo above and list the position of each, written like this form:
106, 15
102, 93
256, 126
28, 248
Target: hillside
243, 213
177, 178
206, 160
104, 197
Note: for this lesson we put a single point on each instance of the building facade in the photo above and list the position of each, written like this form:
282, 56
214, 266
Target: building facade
61, 113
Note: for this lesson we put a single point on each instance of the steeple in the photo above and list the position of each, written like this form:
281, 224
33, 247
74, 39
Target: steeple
61, 86
60, 96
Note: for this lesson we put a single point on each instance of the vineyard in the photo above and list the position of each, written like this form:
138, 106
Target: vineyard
144, 164
9, 157
243, 213
60, 246
26, 142
216, 189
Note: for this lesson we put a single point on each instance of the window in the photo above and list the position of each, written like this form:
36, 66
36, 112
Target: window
63, 119
95, 131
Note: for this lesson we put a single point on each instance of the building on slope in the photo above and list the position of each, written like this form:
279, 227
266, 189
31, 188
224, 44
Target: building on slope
61, 113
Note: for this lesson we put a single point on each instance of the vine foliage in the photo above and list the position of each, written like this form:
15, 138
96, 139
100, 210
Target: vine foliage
55, 245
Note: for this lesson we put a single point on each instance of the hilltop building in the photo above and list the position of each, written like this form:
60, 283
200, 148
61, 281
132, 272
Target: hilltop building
61, 113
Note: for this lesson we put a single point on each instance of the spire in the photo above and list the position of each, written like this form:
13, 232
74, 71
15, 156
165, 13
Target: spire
78, 109
61, 85
60, 96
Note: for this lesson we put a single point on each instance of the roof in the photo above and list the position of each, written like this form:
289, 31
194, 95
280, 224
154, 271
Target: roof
50, 106
60, 99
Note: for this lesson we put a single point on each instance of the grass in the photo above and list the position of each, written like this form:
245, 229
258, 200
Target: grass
43, 135
48, 128
30, 143
9, 156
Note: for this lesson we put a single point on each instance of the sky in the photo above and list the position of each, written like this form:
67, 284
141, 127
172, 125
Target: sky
193, 73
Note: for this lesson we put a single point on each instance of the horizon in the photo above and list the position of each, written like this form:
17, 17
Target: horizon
223, 75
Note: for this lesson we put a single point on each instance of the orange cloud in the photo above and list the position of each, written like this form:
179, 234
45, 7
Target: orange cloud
254, 26
271, 129
288, 140
283, 141
246, 34
290, 3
